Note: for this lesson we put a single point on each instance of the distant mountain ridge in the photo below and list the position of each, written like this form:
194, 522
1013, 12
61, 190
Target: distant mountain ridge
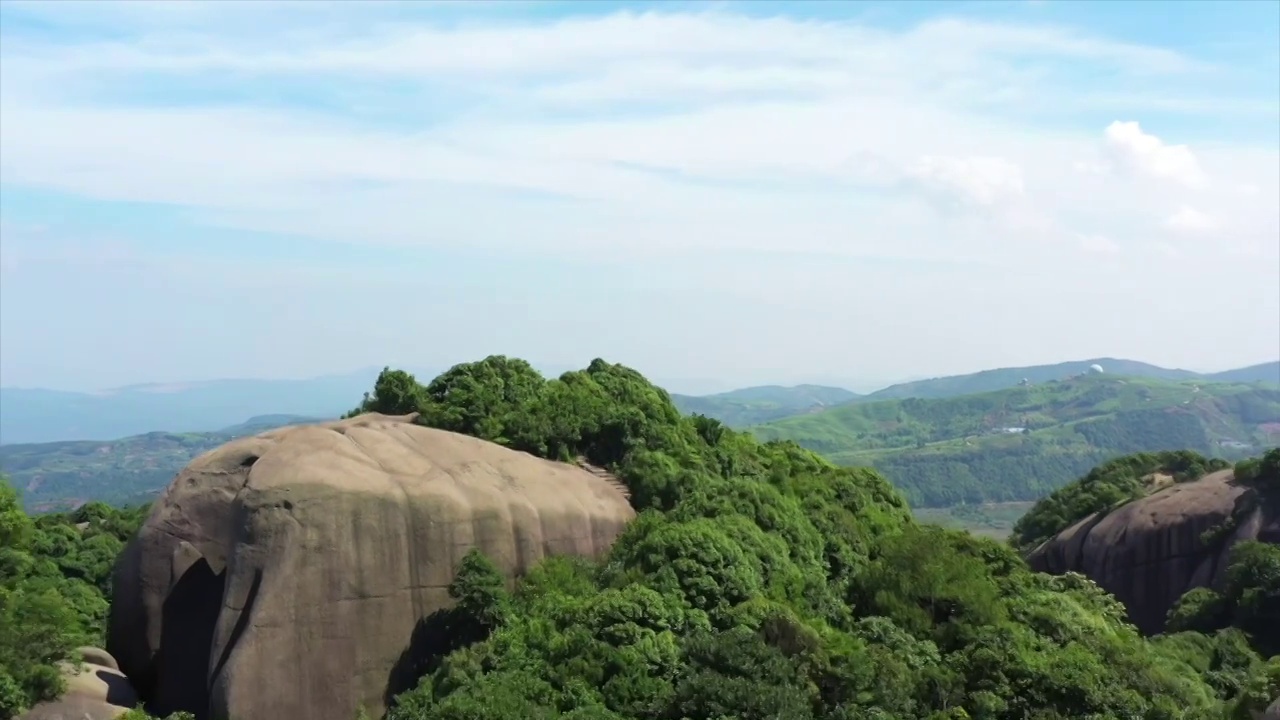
1007, 445
34, 415
58, 475
1001, 378
38, 415
262, 423
1262, 372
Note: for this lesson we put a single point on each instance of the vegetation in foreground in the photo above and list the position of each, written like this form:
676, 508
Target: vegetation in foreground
55, 581
759, 581
1023, 443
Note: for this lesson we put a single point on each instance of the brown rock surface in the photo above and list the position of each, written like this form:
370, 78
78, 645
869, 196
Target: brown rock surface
1149, 552
73, 708
96, 690
97, 656
281, 576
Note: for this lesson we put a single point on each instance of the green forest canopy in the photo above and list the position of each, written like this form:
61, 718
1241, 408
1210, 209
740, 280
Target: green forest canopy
759, 581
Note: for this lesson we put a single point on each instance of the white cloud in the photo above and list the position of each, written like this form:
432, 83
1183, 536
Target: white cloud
659, 122
1147, 154
984, 181
690, 137
1099, 245
1190, 220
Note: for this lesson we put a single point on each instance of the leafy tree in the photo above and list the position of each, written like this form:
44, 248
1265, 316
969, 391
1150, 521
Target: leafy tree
483, 603
1263, 472
1201, 610
761, 581
54, 575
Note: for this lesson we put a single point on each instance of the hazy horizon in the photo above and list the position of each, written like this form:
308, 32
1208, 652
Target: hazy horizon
743, 193
690, 383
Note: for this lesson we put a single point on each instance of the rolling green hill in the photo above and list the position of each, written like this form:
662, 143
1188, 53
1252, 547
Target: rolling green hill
1264, 372
1003, 378
1021, 443
62, 475
754, 405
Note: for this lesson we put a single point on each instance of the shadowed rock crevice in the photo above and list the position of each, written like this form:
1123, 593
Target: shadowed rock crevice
188, 618
434, 637
242, 622
119, 691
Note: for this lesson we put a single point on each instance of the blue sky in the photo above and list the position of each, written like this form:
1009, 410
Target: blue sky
745, 192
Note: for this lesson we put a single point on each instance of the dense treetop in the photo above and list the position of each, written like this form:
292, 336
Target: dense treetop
758, 581
764, 582
55, 578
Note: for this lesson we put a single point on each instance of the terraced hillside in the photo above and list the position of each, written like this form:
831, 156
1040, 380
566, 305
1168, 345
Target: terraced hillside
1021, 443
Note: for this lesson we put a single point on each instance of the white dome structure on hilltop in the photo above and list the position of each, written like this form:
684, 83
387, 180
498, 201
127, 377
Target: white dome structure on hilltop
1095, 368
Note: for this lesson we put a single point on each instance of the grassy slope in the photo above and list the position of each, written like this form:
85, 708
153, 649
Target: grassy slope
953, 450
750, 406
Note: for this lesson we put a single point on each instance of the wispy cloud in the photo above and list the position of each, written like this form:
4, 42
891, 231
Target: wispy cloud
708, 96
1190, 220
676, 131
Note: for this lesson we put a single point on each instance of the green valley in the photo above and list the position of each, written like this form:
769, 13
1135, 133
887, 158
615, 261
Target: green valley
1021, 443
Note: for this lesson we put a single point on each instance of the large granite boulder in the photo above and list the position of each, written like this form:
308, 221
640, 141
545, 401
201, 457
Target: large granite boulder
1151, 551
282, 575
96, 690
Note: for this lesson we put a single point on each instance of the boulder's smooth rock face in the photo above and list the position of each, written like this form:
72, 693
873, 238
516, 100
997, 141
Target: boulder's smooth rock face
96, 690
1149, 552
1273, 711
281, 576
97, 656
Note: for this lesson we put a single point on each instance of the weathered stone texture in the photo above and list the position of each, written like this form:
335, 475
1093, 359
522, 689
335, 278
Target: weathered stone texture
1149, 552
280, 576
